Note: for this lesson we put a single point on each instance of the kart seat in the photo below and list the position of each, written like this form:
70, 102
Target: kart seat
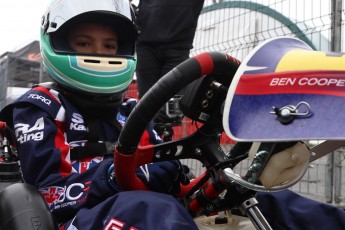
23, 208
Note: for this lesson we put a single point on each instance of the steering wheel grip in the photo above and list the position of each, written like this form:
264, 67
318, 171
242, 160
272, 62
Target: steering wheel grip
128, 156
126, 164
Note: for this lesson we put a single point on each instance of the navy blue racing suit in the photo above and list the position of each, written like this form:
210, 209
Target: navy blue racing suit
50, 131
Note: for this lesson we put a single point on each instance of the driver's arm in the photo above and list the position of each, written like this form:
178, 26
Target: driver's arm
45, 162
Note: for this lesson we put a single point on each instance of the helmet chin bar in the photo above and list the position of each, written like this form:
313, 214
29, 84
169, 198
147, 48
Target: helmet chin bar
274, 171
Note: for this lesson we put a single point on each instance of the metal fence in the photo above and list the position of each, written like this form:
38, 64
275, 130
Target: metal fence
236, 27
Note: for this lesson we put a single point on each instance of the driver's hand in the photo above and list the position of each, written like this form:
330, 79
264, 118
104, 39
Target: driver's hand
164, 177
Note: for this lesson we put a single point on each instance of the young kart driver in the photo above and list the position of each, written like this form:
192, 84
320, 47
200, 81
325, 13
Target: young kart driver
66, 131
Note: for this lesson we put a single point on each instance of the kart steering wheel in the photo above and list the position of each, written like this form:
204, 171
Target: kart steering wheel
128, 156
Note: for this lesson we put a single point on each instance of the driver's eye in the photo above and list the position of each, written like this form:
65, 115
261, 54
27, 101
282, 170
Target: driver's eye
111, 46
83, 43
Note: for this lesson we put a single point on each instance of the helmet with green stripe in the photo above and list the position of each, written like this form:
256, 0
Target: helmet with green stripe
89, 73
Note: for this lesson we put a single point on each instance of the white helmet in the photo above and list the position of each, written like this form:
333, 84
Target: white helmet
93, 74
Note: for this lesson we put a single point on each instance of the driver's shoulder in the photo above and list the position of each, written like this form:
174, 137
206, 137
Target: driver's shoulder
42, 97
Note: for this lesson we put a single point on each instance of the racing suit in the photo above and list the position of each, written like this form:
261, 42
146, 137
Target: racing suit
53, 138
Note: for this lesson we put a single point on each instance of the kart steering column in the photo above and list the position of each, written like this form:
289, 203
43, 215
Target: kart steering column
125, 157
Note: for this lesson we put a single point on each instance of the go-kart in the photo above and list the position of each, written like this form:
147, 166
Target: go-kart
269, 104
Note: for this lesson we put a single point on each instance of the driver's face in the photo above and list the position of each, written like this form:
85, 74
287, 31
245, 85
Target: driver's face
93, 38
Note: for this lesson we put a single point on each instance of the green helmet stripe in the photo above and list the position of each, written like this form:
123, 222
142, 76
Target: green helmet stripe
71, 83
